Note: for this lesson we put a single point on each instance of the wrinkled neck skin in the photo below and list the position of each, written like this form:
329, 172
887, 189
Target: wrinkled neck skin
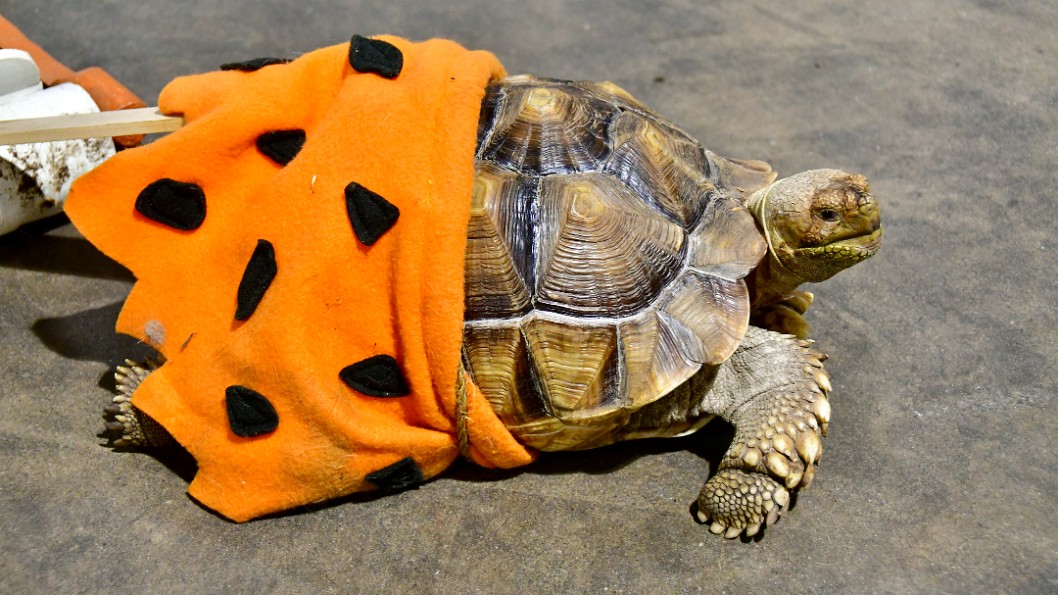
774, 279
770, 282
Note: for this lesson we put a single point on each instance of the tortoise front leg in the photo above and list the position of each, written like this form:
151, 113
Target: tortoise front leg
777, 431
785, 316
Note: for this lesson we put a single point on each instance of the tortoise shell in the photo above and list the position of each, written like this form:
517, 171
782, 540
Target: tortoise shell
605, 258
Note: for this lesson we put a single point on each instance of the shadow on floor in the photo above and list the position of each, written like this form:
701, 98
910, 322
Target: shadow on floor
33, 247
90, 336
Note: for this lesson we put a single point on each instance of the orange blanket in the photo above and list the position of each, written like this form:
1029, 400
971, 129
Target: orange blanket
299, 254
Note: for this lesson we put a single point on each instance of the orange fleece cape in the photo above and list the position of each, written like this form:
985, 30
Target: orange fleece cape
298, 248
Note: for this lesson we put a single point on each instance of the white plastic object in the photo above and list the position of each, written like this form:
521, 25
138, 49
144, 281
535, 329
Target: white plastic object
36, 177
19, 75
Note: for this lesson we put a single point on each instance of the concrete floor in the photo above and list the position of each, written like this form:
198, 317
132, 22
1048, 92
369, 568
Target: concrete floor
940, 470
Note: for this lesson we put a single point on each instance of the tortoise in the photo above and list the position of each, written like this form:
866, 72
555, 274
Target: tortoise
612, 268
622, 282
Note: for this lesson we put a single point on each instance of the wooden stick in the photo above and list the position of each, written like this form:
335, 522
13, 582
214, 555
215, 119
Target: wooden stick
146, 120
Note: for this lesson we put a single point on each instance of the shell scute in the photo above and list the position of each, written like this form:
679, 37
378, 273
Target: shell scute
603, 252
576, 364
654, 363
500, 255
545, 130
498, 361
665, 170
714, 310
726, 243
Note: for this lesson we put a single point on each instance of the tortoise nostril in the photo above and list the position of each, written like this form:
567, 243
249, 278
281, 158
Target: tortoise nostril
871, 213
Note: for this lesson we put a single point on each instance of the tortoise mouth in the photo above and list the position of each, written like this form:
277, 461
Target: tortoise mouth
869, 242
855, 248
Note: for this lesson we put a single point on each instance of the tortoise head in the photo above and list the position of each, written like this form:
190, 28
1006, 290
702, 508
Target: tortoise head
817, 223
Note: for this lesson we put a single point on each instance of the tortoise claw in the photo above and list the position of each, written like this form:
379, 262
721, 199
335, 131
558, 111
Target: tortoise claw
131, 426
738, 502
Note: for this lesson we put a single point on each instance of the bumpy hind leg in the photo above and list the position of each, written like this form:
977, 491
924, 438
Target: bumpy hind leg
134, 426
773, 390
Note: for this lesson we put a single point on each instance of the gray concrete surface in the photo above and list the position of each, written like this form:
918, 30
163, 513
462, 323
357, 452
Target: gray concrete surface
939, 475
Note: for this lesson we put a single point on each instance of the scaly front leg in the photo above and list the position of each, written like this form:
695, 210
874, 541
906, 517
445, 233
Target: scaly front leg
785, 316
777, 431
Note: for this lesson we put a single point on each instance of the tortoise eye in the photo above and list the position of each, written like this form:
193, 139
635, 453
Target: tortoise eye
829, 215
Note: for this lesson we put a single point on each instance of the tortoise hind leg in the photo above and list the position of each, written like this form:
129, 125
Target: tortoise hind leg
773, 390
135, 427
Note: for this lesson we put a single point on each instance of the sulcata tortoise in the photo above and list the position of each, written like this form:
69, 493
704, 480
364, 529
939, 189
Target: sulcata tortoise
612, 268
619, 282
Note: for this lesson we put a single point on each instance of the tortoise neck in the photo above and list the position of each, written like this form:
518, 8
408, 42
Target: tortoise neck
772, 280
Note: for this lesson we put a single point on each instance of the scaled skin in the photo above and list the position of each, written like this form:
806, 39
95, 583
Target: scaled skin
817, 223
773, 389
